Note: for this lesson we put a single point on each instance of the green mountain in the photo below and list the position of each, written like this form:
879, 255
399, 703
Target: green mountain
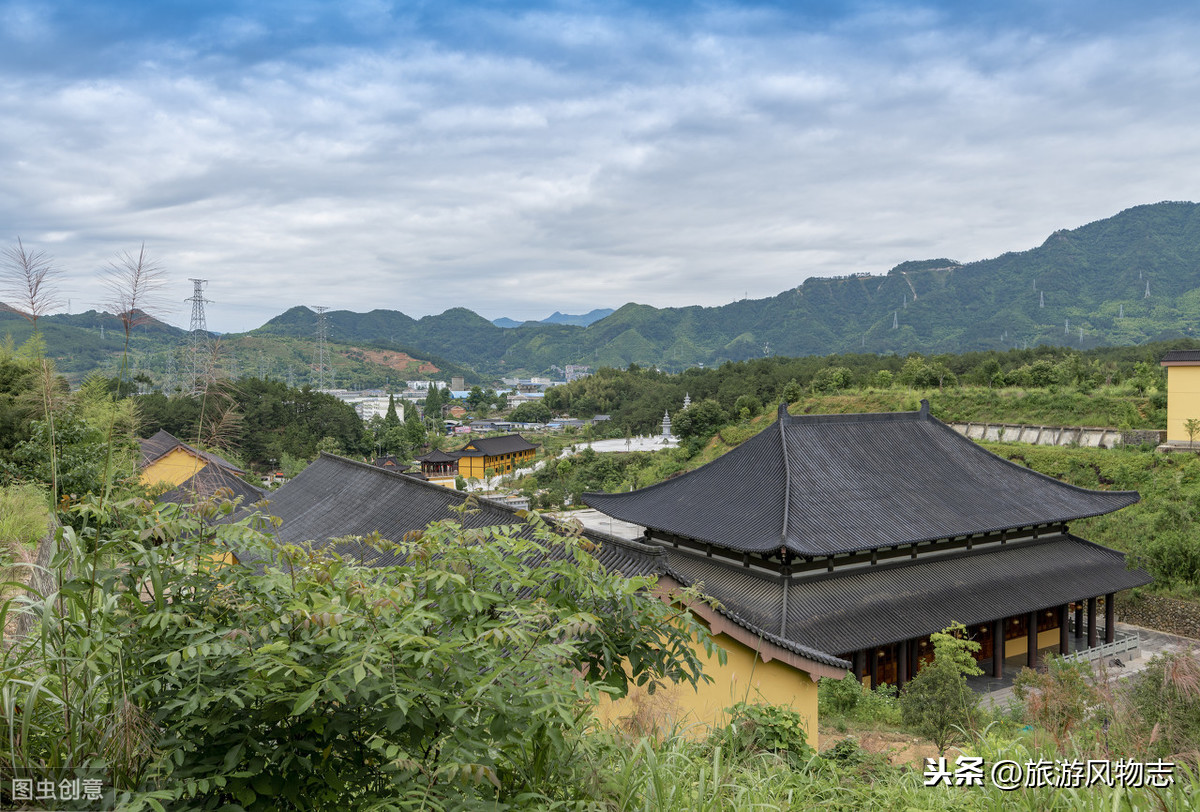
1125, 280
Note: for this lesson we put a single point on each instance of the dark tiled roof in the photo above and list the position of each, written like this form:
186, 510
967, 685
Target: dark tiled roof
205, 483
1181, 356
335, 497
495, 446
844, 611
824, 484
163, 442
437, 455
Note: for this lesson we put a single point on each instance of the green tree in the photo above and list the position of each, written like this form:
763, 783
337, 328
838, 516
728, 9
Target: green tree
699, 421
531, 412
937, 702
747, 406
793, 392
391, 419
1192, 427
831, 379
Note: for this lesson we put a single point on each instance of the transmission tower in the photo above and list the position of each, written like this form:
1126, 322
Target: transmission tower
198, 338
322, 373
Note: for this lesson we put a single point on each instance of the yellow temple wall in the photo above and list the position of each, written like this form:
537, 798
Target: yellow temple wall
1183, 401
1020, 645
743, 678
175, 467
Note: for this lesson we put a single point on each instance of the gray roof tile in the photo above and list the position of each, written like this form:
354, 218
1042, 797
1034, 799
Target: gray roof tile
825, 484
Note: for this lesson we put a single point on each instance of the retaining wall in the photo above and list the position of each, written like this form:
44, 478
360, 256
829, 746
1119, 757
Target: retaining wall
1170, 615
1084, 436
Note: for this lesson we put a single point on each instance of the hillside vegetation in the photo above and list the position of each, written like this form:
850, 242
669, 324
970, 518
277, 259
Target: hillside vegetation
1122, 281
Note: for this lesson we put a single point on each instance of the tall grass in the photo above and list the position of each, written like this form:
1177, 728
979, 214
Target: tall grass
678, 774
24, 518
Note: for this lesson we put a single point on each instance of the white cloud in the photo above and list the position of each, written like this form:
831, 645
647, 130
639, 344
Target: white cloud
581, 160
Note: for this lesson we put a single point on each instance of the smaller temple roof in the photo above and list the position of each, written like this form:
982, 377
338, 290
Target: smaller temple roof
437, 455
1181, 357
495, 446
820, 485
163, 442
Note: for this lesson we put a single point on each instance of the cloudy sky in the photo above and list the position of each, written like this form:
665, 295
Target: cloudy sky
521, 158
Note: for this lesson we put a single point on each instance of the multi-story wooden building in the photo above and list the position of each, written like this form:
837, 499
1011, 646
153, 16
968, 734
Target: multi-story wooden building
500, 455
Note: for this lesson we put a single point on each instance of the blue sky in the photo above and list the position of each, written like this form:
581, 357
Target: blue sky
518, 158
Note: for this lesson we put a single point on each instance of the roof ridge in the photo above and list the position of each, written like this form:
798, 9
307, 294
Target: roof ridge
787, 475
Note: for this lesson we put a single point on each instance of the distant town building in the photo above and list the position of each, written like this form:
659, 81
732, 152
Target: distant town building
368, 403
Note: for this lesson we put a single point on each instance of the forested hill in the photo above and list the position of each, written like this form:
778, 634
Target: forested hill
1129, 279
1124, 280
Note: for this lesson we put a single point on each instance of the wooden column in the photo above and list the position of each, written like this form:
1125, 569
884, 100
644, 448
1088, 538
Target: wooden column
1032, 657
1091, 622
860, 661
1079, 619
998, 648
1110, 617
873, 655
1064, 639
901, 664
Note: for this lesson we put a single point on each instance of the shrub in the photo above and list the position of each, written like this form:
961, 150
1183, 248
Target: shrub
1165, 699
755, 728
1058, 699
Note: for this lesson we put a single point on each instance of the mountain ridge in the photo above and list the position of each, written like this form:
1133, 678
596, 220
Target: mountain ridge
1126, 279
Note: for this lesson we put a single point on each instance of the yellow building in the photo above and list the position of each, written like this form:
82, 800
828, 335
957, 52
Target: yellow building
1183, 394
500, 455
759, 668
166, 460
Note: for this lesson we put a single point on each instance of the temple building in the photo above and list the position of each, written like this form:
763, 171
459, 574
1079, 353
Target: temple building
857, 536
439, 467
190, 472
1183, 395
500, 455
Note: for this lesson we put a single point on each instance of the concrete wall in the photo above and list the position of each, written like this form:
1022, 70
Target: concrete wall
1085, 436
